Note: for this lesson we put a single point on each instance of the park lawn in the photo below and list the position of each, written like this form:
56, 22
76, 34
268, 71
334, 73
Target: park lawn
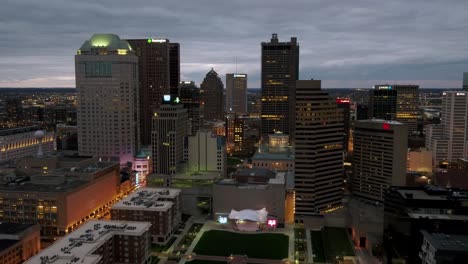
223, 243
336, 243
198, 261
317, 246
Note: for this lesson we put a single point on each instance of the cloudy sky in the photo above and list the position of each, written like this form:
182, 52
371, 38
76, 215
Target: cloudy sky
345, 43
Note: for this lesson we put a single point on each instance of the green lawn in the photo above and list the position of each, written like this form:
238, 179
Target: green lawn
222, 243
317, 246
336, 243
197, 261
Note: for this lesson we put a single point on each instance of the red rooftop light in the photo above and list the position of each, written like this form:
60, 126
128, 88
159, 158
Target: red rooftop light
386, 126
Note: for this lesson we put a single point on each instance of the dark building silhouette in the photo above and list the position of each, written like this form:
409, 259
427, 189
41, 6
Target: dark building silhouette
344, 106
362, 112
382, 103
318, 161
236, 92
158, 74
280, 70
212, 96
189, 95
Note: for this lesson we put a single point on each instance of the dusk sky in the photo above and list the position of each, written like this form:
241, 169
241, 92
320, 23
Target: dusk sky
345, 43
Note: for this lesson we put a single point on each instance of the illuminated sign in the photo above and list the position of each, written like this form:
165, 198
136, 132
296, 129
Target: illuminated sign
342, 101
222, 219
240, 75
177, 100
460, 94
152, 40
271, 222
186, 82
167, 98
384, 87
386, 126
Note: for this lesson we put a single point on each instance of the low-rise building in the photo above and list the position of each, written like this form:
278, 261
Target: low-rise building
251, 189
160, 207
100, 242
277, 155
21, 142
438, 248
18, 242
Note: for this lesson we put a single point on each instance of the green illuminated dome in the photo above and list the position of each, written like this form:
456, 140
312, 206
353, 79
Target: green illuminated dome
110, 42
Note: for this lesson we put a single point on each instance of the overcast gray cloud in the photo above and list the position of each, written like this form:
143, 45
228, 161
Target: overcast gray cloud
345, 43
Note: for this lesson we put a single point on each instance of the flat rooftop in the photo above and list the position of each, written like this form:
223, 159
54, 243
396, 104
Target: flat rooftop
13, 228
18, 130
81, 243
27, 186
447, 242
421, 195
6, 243
148, 199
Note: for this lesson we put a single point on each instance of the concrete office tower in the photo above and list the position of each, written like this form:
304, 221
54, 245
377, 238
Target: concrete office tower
206, 152
319, 151
395, 102
158, 73
280, 70
236, 92
169, 129
212, 96
189, 95
465, 80
107, 83
448, 141
380, 148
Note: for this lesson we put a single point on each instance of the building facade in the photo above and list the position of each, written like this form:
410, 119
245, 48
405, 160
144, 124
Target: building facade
277, 155
318, 151
158, 75
449, 140
465, 81
101, 242
236, 92
234, 133
18, 242
169, 129
189, 95
212, 97
160, 207
280, 70
20, 142
380, 151
206, 152
106, 70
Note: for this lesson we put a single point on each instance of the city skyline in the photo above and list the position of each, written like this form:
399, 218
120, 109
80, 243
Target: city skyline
363, 44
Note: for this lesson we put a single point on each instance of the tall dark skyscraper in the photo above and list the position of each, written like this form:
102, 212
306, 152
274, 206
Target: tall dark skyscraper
236, 92
158, 74
189, 95
319, 151
280, 70
395, 102
212, 96
345, 106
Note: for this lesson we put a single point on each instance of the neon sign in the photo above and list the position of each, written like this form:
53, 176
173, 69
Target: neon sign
167, 98
222, 219
271, 222
386, 126
151, 40
240, 75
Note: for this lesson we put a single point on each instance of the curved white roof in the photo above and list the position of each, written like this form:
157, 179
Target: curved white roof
249, 214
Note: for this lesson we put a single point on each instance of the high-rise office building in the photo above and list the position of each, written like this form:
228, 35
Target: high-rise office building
319, 151
212, 96
280, 70
345, 106
395, 102
189, 95
236, 92
158, 74
206, 152
465, 80
234, 133
448, 141
380, 148
169, 129
107, 85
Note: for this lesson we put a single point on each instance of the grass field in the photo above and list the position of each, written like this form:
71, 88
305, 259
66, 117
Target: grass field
317, 246
222, 243
335, 243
